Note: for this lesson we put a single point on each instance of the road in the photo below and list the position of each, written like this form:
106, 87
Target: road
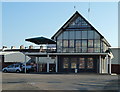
21, 81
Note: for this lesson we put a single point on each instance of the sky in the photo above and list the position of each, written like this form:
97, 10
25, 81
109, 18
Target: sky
21, 20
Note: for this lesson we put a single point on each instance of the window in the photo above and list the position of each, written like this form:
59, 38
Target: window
84, 43
82, 63
65, 62
65, 35
73, 62
59, 37
71, 35
71, 43
78, 43
65, 49
90, 35
78, 34
84, 34
90, 43
78, 46
96, 43
90, 49
59, 45
97, 36
90, 63
71, 50
65, 43
96, 49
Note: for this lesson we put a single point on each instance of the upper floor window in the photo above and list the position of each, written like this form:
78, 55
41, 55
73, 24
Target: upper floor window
84, 34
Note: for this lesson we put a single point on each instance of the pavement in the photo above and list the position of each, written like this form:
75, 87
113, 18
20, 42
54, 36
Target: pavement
21, 81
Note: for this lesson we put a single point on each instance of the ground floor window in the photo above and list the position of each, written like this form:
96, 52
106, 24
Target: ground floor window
80, 63
65, 62
73, 63
90, 63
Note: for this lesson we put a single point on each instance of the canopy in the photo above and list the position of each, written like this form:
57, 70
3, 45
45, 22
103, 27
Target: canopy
41, 40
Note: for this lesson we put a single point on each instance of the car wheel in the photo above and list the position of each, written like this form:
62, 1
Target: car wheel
17, 71
5, 71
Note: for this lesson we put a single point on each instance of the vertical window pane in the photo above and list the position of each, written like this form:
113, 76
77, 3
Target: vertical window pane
65, 62
97, 36
78, 46
73, 62
65, 35
59, 37
90, 43
78, 34
82, 63
96, 43
71, 43
90, 35
90, 63
71, 35
65, 43
59, 45
84, 43
84, 34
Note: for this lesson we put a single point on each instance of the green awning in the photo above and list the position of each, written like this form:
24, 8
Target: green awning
41, 40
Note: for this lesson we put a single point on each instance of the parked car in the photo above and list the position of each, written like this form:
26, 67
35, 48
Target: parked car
19, 67
13, 68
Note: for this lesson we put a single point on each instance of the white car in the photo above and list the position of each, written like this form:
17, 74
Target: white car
13, 68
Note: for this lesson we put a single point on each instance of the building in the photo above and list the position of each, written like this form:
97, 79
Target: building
11, 57
79, 48
115, 64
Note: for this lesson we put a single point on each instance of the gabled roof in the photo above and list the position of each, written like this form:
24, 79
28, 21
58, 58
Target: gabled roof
70, 20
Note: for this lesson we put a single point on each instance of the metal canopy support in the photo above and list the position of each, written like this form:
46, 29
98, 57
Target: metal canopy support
48, 63
107, 63
110, 65
100, 65
37, 63
25, 63
56, 64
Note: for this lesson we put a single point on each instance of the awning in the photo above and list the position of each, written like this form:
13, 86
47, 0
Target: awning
41, 40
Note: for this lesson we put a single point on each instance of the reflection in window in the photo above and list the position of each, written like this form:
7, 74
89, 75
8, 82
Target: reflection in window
65, 35
65, 43
73, 62
84, 34
65, 62
90, 35
84, 43
90, 63
82, 63
96, 43
71, 43
78, 43
90, 43
78, 34
78, 49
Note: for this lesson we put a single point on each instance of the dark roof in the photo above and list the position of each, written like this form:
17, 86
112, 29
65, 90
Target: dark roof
70, 20
41, 40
